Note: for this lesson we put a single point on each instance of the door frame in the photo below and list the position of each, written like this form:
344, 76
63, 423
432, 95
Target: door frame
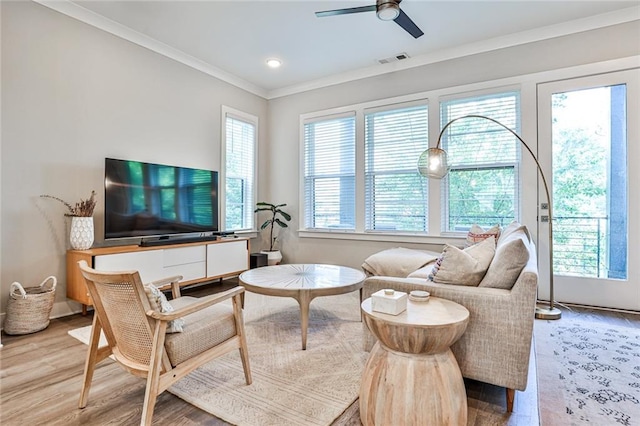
609, 293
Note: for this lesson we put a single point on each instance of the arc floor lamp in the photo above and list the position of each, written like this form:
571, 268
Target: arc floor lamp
433, 163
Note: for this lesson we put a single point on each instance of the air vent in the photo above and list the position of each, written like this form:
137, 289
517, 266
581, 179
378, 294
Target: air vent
398, 57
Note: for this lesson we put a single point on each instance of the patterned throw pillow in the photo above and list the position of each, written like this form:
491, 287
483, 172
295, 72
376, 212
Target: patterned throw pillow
476, 234
159, 302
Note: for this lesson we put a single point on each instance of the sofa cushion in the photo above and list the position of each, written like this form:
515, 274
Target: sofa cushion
423, 272
511, 256
397, 262
202, 330
464, 267
476, 234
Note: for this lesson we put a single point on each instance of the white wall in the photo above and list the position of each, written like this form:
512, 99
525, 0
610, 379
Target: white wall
73, 95
604, 44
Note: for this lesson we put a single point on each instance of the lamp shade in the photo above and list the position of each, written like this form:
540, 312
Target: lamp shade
433, 163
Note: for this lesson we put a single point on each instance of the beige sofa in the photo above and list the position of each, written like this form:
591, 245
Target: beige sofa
496, 346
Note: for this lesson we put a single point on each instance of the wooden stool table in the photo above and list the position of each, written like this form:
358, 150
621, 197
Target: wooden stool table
412, 377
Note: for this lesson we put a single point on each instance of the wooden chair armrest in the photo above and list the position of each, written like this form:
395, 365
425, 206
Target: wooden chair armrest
174, 281
202, 303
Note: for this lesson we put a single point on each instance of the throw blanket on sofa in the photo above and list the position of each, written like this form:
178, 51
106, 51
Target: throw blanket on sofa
397, 262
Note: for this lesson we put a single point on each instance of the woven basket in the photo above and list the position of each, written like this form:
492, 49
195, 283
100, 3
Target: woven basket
28, 309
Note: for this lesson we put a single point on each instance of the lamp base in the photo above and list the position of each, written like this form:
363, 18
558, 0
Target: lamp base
547, 313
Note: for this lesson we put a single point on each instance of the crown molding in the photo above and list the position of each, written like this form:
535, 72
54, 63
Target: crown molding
87, 16
75, 11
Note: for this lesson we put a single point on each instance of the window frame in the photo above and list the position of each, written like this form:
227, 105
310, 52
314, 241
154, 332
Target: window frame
516, 165
228, 112
370, 175
303, 180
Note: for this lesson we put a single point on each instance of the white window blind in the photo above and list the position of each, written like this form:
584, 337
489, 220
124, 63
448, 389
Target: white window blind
395, 194
329, 173
240, 141
482, 186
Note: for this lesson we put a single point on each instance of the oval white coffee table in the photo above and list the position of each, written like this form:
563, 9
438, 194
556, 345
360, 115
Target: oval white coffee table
303, 282
412, 377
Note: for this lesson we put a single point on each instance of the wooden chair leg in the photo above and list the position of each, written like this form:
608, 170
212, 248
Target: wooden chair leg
153, 376
91, 361
511, 395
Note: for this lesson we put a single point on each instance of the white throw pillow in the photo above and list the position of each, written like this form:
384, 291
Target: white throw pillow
512, 254
513, 227
464, 267
159, 302
476, 234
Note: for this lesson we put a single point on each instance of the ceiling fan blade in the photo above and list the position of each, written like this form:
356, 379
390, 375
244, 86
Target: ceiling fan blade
405, 22
347, 11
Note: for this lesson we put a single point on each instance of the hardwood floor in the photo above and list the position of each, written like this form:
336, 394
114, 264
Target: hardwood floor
41, 374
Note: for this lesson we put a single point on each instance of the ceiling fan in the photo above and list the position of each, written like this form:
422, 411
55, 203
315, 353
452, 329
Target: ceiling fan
386, 10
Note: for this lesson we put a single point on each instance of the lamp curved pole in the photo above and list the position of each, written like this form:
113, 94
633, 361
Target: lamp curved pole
542, 312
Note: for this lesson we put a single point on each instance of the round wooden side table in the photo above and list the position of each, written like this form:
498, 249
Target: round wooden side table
304, 282
412, 377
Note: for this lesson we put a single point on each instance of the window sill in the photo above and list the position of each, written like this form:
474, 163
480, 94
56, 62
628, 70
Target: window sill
453, 238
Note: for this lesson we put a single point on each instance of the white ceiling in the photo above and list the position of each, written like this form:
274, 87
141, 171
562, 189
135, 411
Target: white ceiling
232, 39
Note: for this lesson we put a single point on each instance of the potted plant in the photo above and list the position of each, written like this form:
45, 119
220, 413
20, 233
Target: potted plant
273, 255
81, 235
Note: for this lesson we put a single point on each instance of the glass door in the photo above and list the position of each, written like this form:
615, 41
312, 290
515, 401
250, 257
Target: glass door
589, 147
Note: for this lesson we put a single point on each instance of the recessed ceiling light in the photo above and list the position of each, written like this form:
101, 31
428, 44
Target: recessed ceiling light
274, 63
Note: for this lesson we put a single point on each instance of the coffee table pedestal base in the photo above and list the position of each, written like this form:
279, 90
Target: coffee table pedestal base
412, 389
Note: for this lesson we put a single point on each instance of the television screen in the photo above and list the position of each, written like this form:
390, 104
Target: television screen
144, 199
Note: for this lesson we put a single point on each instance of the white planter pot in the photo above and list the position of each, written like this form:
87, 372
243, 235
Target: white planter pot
273, 257
81, 235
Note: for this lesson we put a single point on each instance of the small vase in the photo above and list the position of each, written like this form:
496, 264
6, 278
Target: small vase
81, 236
274, 257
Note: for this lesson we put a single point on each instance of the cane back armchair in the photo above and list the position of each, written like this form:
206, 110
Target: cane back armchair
136, 333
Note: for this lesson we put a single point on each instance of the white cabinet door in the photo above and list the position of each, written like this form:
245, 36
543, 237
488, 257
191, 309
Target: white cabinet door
147, 263
226, 258
157, 264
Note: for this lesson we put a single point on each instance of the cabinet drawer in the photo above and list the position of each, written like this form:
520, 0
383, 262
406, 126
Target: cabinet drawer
184, 255
189, 271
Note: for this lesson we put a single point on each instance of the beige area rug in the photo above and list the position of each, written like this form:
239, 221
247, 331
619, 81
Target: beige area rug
588, 374
290, 386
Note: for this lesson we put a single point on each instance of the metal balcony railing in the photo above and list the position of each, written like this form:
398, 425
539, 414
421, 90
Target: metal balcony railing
580, 246
580, 243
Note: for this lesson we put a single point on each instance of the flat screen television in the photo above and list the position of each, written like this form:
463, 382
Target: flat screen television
149, 200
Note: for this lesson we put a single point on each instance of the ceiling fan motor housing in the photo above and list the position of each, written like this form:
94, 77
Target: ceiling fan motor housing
387, 10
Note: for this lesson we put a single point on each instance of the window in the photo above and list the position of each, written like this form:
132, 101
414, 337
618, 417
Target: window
239, 158
329, 173
482, 185
395, 194
360, 166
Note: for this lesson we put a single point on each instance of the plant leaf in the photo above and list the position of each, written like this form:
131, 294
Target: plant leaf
285, 215
281, 223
